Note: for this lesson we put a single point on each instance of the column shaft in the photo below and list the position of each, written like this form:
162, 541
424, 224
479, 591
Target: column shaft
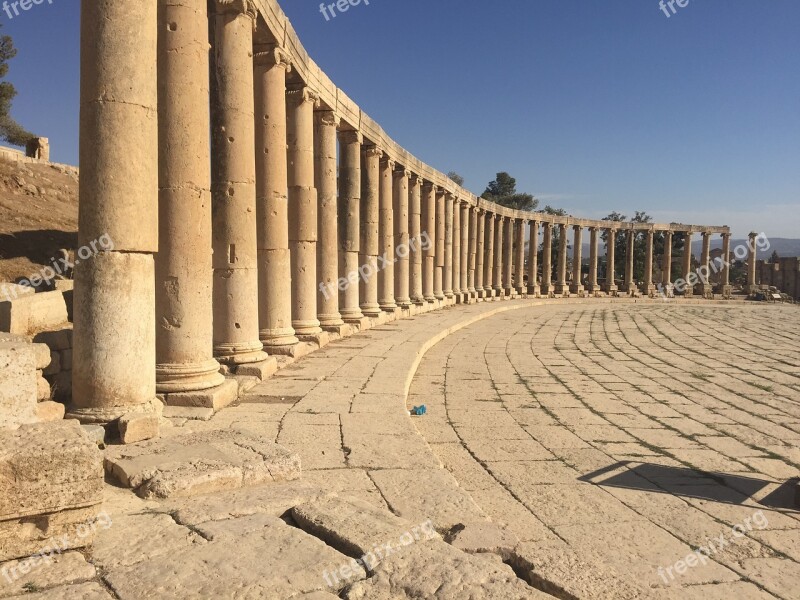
438, 279
705, 267
402, 238
480, 252
630, 240
498, 256
666, 264
547, 260
577, 259
647, 286
751, 264
561, 282
593, 258
387, 250
472, 275
456, 248
688, 277
533, 260
519, 258
725, 277
611, 250
416, 240
466, 236
448, 246
349, 208
429, 221
508, 256
370, 222
488, 264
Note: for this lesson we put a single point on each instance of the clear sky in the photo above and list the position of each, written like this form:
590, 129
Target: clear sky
592, 105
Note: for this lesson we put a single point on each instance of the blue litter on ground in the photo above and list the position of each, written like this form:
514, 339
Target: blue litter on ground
418, 411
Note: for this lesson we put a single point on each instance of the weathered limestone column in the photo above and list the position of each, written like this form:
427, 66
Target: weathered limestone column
441, 242
508, 256
688, 277
630, 240
325, 150
751, 264
456, 249
705, 267
547, 260
429, 220
577, 259
386, 249
488, 263
448, 246
611, 250
184, 312
498, 257
300, 104
272, 201
401, 238
474, 244
648, 289
349, 224
370, 222
480, 252
415, 235
114, 338
465, 252
233, 187
593, 257
519, 260
533, 261
561, 274
666, 266
725, 275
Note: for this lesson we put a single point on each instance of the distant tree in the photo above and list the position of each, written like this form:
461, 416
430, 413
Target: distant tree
10, 131
503, 191
554, 245
456, 177
774, 259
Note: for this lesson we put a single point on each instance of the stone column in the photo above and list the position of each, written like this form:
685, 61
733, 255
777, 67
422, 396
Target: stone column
448, 246
387, 250
611, 250
474, 245
593, 257
349, 208
561, 283
233, 187
725, 275
498, 257
688, 277
488, 262
547, 260
401, 238
272, 201
630, 241
465, 252
300, 104
705, 267
666, 266
114, 350
370, 220
508, 256
441, 242
577, 259
533, 261
648, 289
456, 249
429, 221
184, 312
480, 252
325, 151
751, 264
415, 235
519, 258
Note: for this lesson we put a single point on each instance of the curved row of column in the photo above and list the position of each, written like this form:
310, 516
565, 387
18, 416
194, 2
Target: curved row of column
295, 219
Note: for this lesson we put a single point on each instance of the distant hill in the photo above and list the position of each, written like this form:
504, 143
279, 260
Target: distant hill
785, 247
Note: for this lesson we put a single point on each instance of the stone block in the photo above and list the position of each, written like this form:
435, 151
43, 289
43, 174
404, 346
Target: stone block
137, 428
64, 285
55, 339
193, 413
50, 411
216, 398
18, 382
42, 389
31, 313
263, 369
11, 291
43, 358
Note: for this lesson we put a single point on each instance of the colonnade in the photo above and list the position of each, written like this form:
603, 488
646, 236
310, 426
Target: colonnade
298, 218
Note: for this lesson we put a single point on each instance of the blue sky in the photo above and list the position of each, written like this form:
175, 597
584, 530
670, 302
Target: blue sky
593, 106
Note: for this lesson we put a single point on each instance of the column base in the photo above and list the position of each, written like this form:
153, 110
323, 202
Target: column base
648, 289
263, 370
726, 291
215, 398
233, 353
370, 310
389, 307
306, 328
706, 290
577, 289
330, 321
103, 415
320, 339
174, 378
277, 338
612, 290
561, 288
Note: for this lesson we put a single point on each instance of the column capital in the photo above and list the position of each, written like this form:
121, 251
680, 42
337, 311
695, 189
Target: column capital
271, 55
350, 136
705, 234
577, 227
373, 151
302, 94
593, 228
400, 171
427, 186
388, 161
328, 117
243, 7
413, 178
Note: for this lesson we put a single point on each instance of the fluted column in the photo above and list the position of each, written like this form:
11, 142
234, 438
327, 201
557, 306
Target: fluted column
184, 313
689, 278
519, 258
465, 253
547, 259
370, 222
508, 256
349, 208
577, 259
325, 126
441, 242
647, 286
448, 246
561, 274
474, 245
705, 267
401, 242
666, 265
630, 240
300, 104
593, 258
611, 250
272, 201
725, 275
429, 221
533, 261
415, 235
456, 249
480, 252
751, 263
497, 284
114, 337
488, 261
386, 251
233, 185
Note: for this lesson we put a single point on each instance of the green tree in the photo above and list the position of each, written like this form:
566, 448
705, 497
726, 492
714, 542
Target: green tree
10, 131
503, 191
456, 177
775, 258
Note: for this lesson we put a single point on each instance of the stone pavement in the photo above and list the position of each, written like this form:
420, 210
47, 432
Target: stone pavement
585, 446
